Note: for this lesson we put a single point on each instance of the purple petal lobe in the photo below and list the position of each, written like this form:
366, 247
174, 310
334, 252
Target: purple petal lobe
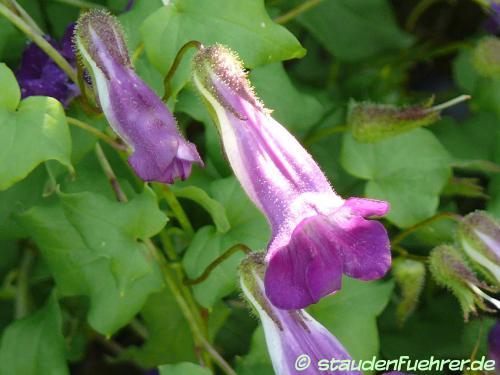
306, 269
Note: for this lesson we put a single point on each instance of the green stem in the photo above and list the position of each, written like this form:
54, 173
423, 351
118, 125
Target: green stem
405, 254
449, 103
81, 4
228, 253
23, 300
167, 82
186, 311
417, 12
293, 13
439, 216
323, 133
177, 209
137, 53
108, 171
40, 41
15, 7
90, 129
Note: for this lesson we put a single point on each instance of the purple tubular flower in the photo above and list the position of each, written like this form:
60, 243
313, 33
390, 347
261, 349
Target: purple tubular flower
38, 74
134, 111
316, 235
295, 340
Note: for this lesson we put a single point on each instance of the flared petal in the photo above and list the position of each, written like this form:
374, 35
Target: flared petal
320, 249
306, 269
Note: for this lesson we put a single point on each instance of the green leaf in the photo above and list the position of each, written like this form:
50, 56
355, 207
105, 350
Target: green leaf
10, 94
132, 20
92, 247
19, 198
354, 30
213, 207
409, 171
170, 339
462, 139
183, 369
351, 314
244, 26
36, 132
248, 227
295, 109
35, 345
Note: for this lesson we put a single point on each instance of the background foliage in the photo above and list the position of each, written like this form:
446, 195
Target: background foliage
83, 289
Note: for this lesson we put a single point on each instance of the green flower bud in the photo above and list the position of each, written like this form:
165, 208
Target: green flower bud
410, 276
450, 270
372, 122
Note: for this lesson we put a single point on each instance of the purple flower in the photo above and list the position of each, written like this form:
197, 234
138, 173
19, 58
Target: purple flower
316, 235
492, 25
134, 111
494, 343
38, 74
294, 339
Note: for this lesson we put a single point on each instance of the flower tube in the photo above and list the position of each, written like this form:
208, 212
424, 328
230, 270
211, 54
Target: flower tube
296, 342
134, 111
316, 235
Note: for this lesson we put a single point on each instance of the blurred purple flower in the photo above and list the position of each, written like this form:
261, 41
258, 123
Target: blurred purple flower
317, 235
134, 111
38, 74
494, 344
492, 24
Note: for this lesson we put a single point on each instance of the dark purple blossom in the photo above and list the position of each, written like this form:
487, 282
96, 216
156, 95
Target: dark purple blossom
134, 111
38, 74
316, 235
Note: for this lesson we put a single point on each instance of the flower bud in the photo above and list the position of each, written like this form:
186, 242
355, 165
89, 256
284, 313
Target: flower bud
133, 110
479, 235
450, 270
410, 276
372, 122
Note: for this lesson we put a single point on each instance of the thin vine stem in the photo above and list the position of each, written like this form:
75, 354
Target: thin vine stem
177, 209
90, 129
227, 254
298, 10
40, 41
108, 171
439, 216
167, 82
14, 5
